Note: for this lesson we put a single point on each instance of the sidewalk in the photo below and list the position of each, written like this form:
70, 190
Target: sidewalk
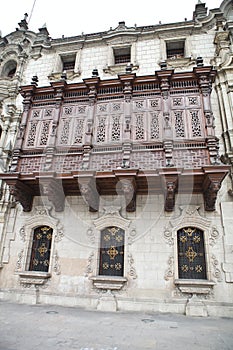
45, 327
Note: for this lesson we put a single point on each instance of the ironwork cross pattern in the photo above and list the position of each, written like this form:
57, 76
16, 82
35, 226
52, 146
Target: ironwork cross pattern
112, 252
191, 253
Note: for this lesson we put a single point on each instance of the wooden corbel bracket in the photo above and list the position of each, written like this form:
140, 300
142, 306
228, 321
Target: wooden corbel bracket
53, 189
89, 192
22, 193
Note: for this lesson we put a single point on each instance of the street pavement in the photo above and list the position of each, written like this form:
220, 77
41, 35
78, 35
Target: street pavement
49, 327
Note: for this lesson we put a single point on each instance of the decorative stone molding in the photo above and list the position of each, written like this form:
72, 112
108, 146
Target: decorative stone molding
33, 278
118, 69
89, 268
168, 236
194, 286
41, 215
56, 265
132, 271
183, 62
190, 216
216, 271
91, 235
111, 217
170, 271
109, 282
19, 261
132, 235
22, 233
214, 235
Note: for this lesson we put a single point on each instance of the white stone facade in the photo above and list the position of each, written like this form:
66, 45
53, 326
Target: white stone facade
150, 281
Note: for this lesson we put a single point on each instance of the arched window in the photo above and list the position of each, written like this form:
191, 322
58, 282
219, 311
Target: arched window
9, 69
191, 253
112, 252
41, 248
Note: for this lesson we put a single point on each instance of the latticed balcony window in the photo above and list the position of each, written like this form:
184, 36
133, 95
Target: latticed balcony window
122, 55
112, 252
191, 253
41, 248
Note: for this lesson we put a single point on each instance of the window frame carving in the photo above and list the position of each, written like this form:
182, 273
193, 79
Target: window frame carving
110, 218
190, 217
41, 217
173, 63
59, 65
118, 44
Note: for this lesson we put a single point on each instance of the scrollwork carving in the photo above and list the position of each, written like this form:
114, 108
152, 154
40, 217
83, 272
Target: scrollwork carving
19, 261
22, 233
56, 266
89, 268
170, 271
216, 271
132, 271
59, 234
168, 236
91, 235
214, 235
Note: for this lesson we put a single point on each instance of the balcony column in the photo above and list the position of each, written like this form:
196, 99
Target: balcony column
205, 77
27, 92
127, 81
164, 77
92, 85
59, 88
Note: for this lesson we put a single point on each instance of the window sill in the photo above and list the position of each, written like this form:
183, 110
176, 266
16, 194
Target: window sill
179, 62
194, 286
119, 68
109, 282
34, 277
70, 74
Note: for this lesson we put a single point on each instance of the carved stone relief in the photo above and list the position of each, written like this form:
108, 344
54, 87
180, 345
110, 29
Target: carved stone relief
190, 216
41, 215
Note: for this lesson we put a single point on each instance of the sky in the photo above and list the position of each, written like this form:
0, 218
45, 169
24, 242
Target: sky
74, 17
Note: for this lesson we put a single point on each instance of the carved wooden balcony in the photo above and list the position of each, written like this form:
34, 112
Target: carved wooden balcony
133, 134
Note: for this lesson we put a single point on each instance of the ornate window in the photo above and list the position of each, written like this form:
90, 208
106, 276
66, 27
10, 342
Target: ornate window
191, 253
41, 249
111, 261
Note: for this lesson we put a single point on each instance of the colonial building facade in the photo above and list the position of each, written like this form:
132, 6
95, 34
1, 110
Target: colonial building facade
116, 166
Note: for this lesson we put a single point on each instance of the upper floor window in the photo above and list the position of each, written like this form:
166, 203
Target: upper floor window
111, 262
122, 55
9, 69
41, 249
68, 62
175, 49
191, 253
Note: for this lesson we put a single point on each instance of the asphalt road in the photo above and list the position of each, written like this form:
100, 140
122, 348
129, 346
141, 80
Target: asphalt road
47, 327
